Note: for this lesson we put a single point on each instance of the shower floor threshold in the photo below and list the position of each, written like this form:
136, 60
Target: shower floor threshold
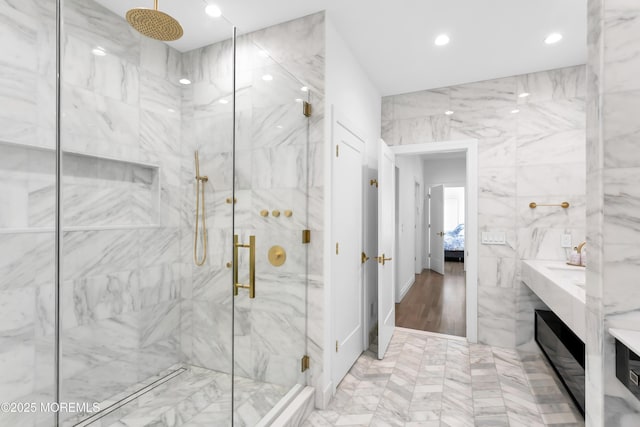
190, 397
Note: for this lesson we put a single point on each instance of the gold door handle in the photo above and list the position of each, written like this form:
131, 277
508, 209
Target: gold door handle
252, 266
382, 259
441, 234
364, 257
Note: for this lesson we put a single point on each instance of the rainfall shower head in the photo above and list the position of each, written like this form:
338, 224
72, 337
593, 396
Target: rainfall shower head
154, 23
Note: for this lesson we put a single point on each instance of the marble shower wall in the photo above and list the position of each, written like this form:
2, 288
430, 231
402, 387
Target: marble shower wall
121, 204
275, 146
613, 198
536, 153
27, 119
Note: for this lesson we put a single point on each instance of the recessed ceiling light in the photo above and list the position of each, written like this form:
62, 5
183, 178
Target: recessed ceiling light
267, 77
523, 95
223, 101
448, 112
442, 40
213, 11
516, 111
185, 81
553, 38
98, 51
304, 89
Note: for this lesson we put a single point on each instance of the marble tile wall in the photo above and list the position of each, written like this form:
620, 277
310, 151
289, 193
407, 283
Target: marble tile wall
120, 290
530, 149
27, 116
120, 295
613, 168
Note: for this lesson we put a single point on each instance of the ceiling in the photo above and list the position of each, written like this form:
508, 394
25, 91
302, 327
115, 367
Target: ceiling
393, 40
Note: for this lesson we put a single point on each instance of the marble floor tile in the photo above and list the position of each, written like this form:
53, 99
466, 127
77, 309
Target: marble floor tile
196, 397
429, 380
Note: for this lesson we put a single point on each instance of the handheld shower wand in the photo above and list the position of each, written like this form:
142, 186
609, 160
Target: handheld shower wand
200, 181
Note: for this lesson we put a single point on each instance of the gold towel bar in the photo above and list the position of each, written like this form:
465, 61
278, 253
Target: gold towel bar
563, 205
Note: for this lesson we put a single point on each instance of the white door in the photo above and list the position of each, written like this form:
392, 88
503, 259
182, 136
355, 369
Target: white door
347, 289
437, 228
386, 244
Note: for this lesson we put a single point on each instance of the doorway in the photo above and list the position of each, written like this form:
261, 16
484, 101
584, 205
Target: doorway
437, 287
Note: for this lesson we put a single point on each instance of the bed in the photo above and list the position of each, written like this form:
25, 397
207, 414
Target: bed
454, 244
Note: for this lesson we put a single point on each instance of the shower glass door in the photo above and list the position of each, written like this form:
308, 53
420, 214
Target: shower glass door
146, 313
270, 214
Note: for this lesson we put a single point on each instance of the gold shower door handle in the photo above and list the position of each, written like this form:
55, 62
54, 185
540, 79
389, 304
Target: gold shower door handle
252, 266
441, 234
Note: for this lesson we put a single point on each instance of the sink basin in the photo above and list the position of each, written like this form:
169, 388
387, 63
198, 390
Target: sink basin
574, 274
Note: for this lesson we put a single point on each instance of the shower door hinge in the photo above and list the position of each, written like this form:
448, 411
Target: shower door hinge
336, 346
305, 363
306, 109
306, 236
337, 248
337, 150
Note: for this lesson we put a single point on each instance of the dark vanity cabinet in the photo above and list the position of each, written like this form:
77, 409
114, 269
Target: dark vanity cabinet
628, 368
565, 352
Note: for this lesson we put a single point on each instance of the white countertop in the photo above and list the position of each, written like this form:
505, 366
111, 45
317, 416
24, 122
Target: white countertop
627, 337
561, 288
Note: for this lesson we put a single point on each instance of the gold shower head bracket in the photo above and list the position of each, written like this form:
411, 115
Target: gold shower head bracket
155, 23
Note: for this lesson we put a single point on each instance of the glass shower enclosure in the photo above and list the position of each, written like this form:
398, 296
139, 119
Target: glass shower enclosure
153, 203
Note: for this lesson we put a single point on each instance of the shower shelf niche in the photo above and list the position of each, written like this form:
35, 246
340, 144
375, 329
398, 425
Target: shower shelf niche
98, 192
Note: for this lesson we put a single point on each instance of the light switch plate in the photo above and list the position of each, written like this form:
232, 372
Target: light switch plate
494, 238
565, 241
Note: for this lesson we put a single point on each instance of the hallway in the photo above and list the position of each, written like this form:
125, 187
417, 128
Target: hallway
431, 381
436, 303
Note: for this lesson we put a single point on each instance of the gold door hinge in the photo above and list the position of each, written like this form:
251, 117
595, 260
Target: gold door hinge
373, 182
337, 248
337, 150
305, 363
306, 109
336, 346
306, 236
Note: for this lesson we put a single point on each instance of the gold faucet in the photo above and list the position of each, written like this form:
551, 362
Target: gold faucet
580, 246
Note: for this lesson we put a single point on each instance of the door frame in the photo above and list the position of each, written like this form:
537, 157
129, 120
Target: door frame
418, 227
472, 252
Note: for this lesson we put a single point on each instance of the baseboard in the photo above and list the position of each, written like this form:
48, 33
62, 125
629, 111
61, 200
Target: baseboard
407, 286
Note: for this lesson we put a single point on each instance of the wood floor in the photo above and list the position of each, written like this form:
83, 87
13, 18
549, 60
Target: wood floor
436, 303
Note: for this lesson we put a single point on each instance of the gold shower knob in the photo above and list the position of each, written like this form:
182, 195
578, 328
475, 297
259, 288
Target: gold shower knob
264, 212
288, 213
277, 256
276, 213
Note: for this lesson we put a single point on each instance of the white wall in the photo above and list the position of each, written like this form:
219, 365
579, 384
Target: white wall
349, 91
448, 172
411, 171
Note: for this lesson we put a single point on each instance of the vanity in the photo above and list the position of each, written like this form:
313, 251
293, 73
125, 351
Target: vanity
560, 331
561, 288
